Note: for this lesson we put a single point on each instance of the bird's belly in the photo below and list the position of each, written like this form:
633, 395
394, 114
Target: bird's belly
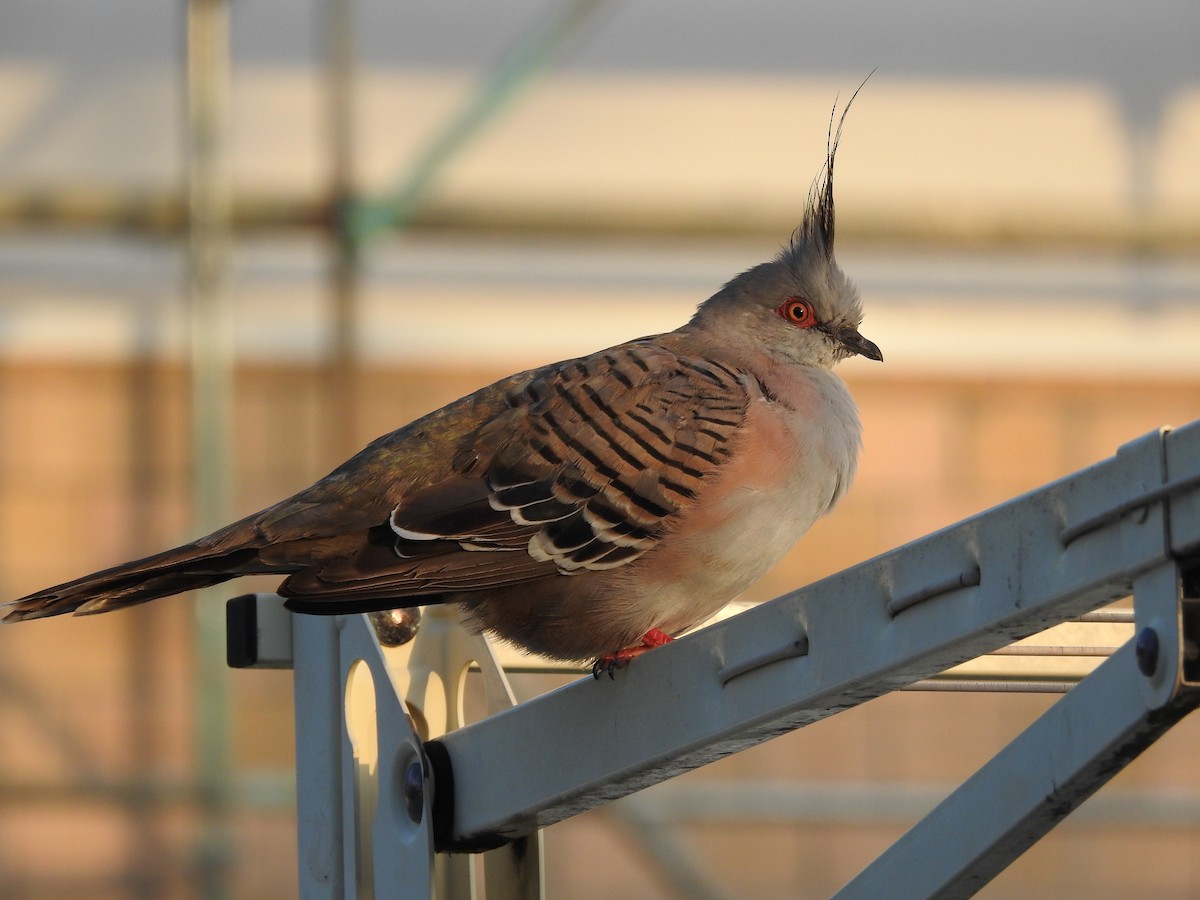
734, 555
745, 548
757, 513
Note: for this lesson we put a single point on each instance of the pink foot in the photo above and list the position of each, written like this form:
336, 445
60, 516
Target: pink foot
619, 660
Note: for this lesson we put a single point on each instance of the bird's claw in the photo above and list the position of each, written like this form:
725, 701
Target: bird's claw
604, 664
611, 662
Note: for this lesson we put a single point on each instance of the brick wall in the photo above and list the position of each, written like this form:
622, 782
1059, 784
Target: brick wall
93, 470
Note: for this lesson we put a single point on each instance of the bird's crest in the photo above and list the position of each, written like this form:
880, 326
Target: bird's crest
817, 227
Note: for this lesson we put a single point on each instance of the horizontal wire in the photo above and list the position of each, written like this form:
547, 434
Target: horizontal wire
955, 685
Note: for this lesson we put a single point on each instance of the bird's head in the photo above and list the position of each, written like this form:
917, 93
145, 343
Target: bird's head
799, 306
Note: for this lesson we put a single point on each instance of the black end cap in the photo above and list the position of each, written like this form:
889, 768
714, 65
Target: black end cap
241, 632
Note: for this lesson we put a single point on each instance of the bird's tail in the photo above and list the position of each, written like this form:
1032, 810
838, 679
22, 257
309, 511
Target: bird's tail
195, 565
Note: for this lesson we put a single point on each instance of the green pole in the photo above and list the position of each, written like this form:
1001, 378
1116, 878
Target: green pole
211, 364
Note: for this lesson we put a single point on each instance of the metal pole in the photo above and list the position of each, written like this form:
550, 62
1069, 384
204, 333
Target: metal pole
344, 269
207, 85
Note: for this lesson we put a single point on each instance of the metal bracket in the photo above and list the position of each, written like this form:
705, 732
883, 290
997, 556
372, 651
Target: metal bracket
1035, 782
364, 799
380, 768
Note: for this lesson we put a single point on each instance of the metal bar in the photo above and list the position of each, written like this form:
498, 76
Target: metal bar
995, 686
1075, 640
260, 637
363, 807
1035, 782
1114, 616
430, 673
669, 712
319, 801
1053, 650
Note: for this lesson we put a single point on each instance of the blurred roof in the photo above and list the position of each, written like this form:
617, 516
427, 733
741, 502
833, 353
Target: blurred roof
1069, 125
637, 151
1004, 119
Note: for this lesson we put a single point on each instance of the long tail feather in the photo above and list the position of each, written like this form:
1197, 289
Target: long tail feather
183, 568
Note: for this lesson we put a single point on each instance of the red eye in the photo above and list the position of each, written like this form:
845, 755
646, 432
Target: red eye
798, 312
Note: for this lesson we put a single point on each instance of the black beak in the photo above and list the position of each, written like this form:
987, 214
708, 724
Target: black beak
857, 344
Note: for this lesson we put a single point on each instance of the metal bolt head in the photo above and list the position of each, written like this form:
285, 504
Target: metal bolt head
414, 791
396, 627
1145, 649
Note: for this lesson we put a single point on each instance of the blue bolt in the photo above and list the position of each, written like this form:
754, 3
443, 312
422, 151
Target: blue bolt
1145, 648
414, 791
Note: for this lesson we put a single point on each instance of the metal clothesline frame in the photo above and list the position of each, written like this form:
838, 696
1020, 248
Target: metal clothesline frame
387, 776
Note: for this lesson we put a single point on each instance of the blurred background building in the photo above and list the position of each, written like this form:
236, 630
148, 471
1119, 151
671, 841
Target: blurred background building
1019, 203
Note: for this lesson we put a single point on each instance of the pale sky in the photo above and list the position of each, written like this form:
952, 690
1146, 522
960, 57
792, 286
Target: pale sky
1140, 51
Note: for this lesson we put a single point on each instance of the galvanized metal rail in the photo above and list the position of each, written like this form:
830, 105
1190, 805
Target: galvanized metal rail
377, 800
